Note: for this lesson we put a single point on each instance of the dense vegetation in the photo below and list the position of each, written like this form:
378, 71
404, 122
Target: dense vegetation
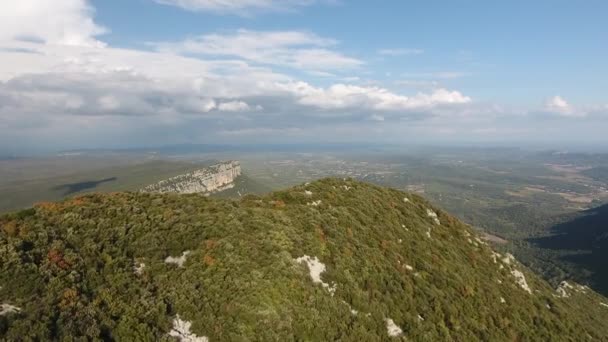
95, 267
582, 245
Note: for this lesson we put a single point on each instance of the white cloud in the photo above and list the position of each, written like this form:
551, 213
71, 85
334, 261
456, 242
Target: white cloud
194, 104
62, 84
62, 22
400, 52
558, 105
235, 106
342, 96
236, 6
302, 50
108, 103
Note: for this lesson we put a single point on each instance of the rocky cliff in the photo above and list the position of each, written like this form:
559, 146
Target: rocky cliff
206, 181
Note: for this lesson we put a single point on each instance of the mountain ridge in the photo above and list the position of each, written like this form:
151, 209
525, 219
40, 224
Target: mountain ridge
331, 259
208, 180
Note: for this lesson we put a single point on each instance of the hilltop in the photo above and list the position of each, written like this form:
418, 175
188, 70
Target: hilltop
331, 260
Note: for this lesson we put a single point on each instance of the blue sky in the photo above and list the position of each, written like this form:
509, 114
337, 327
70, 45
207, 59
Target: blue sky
518, 51
98, 73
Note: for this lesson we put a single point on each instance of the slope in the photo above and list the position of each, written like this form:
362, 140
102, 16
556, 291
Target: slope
582, 243
243, 185
331, 260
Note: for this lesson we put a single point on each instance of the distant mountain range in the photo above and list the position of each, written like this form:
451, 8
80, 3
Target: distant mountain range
335, 259
211, 148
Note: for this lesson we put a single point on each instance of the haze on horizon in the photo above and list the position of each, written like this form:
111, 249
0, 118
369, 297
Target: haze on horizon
112, 73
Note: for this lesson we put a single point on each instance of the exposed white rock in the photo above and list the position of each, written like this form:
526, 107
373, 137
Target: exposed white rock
562, 289
208, 180
508, 259
179, 261
428, 233
495, 256
479, 241
315, 268
433, 215
181, 330
406, 200
604, 304
6, 309
420, 318
409, 268
392, 329
352, 311
565, 289
502, 300
346, 187
314, 203
521, 280
138, 268
308, 193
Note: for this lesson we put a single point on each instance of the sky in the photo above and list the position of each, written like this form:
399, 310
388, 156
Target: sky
132, 73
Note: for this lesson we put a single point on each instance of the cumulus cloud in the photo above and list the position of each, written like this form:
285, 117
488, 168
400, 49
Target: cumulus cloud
558, 105
341, 96
115, 93
302, 50
236, 6
63, 22
58, 82
237, 106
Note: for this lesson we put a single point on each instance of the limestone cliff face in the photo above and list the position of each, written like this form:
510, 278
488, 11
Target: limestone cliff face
206, 181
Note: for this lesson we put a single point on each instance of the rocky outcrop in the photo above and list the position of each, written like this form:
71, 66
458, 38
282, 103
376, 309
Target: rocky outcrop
206, 181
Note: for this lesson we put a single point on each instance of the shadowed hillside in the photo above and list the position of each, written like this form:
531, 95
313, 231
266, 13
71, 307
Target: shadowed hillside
584, 241
72, 188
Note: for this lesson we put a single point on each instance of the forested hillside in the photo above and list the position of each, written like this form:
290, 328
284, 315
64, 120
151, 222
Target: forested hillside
331, 260
582, 243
